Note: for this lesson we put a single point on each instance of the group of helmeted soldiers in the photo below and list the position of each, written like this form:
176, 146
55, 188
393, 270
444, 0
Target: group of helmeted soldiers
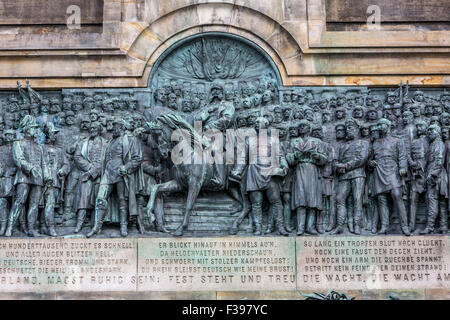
353, 164
345, 163
71, 162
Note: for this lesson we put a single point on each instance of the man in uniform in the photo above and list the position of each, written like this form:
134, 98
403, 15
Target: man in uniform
435, 163
30, 177
306, 186
88, 159
350, 167
8, 171
220, 117
57, 167
122, 159
263, 177
417, 164
73, 177
390, 164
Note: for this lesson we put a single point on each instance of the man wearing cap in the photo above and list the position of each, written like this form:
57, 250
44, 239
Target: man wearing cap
418, 97
122, 158
358, 112
87, 158
445, 119
390, 164
391, 98
107, 134
11, 115
340, 115
67, 103
132, 104
407, 134
30, 177
372, 207
77, 105
93, 115
108, 106
55, 106
84, 125
350, 168
152, 168
417, 163
286, 98
8, 171
73, 138
220, 117
98, 102
24, 110
88, 103
277, 115
435, 163
264, 177
286, 183
416, 111
329, 132
325, 175
306, 186
57, 167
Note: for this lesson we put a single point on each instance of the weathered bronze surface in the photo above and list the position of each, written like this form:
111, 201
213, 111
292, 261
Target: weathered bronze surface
350, 160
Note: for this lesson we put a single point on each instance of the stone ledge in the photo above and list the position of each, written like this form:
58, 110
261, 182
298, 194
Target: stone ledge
264, 266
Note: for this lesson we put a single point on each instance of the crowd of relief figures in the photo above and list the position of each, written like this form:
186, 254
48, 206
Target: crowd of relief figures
348, 162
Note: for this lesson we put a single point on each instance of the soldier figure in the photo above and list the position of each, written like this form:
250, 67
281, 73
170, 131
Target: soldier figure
262, 177
30, 177
58, 167
122, 159
93, 115
435, 163
340, 115
418, 96
329, 132
417, 163
88, 160
317, 132
73, 177
151, 169
350, 167
390, 164
416, 111
67, 103
7, 173
372, 199
286, 183
444, 211
306, 188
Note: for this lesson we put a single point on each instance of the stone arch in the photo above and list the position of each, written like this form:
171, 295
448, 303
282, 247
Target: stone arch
266, 33
238, 39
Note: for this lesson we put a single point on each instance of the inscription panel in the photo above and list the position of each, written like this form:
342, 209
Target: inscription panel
343, 263
67, 265
216, 264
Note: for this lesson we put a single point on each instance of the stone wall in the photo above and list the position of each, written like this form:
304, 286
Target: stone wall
133, 34
225, 268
